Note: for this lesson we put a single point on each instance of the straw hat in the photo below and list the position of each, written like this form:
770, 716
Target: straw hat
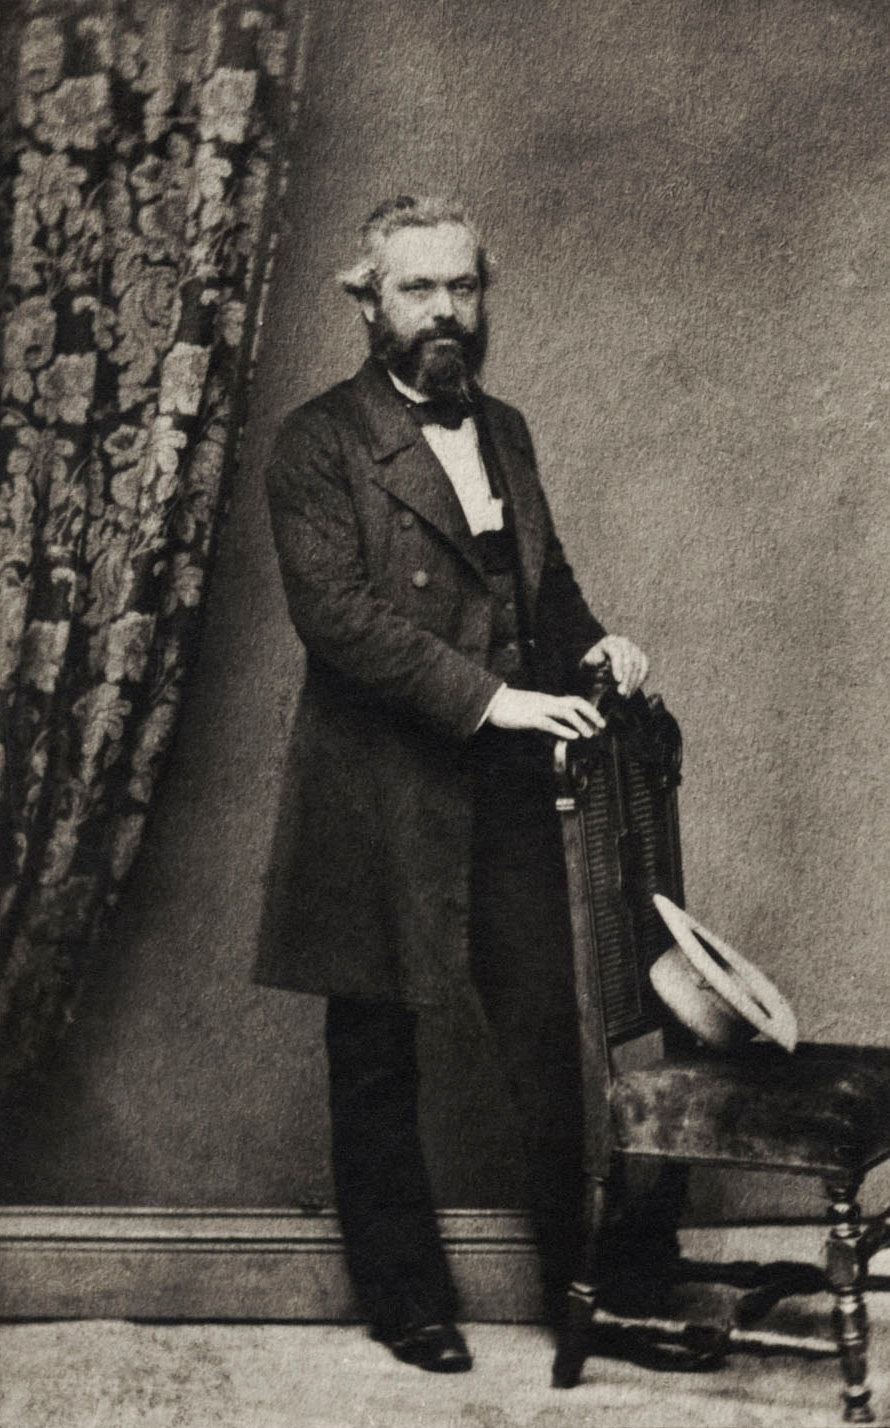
714, 990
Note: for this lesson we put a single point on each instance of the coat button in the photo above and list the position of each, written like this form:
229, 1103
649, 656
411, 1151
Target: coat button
406, 520
420, 579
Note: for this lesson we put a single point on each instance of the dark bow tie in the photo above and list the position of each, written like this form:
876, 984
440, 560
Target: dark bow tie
443, 411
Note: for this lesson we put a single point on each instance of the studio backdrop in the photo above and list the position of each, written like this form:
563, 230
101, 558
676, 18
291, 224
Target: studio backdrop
688, 206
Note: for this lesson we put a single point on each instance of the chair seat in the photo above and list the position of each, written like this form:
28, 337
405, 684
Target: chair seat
824, 1109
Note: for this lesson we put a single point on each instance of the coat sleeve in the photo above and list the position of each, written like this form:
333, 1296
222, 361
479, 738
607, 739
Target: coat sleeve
334, 608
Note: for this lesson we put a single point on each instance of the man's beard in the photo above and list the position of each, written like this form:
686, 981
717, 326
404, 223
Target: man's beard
433, 368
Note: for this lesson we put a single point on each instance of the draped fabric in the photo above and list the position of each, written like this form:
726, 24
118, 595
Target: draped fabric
143, 156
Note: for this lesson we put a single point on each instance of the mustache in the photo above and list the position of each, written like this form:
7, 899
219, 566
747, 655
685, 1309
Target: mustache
444, 327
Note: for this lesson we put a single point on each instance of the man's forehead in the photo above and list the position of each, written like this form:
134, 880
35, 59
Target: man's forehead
442, 250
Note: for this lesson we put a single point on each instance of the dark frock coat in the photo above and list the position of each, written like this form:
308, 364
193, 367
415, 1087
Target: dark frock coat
368, 885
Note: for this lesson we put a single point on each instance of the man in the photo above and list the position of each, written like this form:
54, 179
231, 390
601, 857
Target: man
418, 857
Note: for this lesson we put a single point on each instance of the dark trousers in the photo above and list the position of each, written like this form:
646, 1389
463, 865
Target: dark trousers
521, 969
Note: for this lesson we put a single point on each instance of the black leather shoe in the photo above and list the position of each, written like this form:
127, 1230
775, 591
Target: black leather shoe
437, 1348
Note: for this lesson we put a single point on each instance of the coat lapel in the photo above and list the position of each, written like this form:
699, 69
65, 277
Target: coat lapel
520, 476
405, 464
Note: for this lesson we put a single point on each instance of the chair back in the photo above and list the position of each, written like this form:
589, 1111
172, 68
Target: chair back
617, 797
617, 800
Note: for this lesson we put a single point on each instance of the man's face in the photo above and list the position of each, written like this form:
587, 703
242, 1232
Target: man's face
428, 324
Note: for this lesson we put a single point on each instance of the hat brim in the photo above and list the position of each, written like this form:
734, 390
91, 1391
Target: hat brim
743, 986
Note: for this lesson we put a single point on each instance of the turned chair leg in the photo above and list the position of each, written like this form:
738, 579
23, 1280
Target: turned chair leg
849, 1317
574, 1338
643, 1253
573, 1343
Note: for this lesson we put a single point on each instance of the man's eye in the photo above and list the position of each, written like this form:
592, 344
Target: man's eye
466, 289
416, 287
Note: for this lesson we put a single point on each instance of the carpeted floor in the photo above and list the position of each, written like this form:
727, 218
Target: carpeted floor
102, 1374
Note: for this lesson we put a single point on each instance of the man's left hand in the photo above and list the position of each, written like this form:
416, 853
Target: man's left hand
629, 665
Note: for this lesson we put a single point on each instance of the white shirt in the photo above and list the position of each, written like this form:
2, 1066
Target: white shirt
459, 455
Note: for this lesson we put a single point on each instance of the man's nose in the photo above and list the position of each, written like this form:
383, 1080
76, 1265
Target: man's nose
442, 302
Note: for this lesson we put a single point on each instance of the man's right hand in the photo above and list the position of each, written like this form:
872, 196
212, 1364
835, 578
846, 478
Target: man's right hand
566, 716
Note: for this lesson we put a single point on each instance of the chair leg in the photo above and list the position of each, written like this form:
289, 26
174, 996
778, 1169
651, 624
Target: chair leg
573, 1342
574, 1339
849, 1317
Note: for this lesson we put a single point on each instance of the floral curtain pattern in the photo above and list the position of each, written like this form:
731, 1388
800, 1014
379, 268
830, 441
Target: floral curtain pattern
144, 154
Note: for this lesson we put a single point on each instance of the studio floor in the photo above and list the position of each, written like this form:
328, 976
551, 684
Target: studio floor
113, 1374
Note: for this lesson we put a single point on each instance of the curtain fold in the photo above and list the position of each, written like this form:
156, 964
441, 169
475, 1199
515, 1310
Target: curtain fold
145, 152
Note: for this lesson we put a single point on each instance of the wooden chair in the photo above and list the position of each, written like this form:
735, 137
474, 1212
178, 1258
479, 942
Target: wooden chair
823, 1110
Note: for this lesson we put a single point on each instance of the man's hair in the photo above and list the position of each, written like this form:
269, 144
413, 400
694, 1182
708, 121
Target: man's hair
404, 211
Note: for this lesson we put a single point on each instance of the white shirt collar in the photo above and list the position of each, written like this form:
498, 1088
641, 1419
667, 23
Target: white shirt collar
405, 390
459, 455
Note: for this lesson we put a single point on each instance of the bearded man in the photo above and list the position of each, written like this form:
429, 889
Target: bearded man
418, 858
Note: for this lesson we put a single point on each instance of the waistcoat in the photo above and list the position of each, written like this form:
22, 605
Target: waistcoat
509, 650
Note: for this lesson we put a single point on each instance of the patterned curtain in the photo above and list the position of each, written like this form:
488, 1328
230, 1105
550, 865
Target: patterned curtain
144, 145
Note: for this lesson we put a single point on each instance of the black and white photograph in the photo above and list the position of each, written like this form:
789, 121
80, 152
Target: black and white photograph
444, 673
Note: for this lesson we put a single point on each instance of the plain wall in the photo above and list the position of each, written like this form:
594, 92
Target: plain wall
689, 205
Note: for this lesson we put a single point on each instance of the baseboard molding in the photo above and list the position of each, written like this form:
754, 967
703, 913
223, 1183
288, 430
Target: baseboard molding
245, 1264
287, 1265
